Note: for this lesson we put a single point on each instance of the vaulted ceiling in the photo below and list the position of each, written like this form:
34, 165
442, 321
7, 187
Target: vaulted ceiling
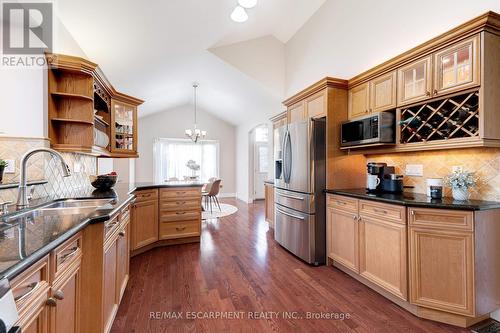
155, 49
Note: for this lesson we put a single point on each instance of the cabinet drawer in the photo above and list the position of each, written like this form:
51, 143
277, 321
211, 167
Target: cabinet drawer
173, 194
31, 284
342, 202
441, 218
66, 254
382, 211
181, 215
180, 205
169, 230
111, 226
145, 195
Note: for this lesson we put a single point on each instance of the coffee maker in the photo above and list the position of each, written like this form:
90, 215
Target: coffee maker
387, 182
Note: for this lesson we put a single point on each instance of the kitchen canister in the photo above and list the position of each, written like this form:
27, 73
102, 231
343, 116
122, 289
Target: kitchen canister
433, 182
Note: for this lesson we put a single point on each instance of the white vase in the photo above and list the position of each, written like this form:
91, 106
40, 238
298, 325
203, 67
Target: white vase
460, 193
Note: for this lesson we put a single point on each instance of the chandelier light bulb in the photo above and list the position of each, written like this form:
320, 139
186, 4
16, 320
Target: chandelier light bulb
247, 3
239, 15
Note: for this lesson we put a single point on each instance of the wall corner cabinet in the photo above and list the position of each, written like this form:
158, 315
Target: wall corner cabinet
438, 264
85, 113
426, 85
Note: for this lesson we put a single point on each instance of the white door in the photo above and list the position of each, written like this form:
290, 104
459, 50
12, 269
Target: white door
261, 165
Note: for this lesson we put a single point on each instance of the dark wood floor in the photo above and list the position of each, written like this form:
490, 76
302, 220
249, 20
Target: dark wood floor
239, 269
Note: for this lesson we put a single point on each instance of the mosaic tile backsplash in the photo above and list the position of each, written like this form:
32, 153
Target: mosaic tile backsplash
43, 166
438, 164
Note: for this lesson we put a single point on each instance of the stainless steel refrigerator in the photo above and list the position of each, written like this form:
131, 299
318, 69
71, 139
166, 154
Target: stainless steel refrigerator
300, 176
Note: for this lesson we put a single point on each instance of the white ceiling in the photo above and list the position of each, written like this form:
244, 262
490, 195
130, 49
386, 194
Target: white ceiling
155, 49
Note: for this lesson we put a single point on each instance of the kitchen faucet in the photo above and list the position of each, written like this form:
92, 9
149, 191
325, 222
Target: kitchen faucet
22, 196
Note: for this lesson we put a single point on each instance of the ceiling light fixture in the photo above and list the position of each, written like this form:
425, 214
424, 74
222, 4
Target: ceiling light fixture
239, 14
195, 134
247, 3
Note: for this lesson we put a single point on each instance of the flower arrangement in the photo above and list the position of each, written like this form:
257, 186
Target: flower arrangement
461, 179
3, 165
194, 167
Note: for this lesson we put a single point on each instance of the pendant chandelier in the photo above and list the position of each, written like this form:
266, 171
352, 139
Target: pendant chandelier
195, 134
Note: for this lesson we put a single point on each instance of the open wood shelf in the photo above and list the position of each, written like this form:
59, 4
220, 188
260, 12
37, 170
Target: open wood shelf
101, 121
70, 95
67, 120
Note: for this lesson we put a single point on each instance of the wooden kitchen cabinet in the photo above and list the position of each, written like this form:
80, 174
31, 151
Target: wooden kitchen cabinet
185, 220
316, 105
110, 304
144, 219
343, 236
124, 128
296, 112
123, 260
383, 92
457, 67
415, 81
269, 202
369, 238
64, 314
382, 251
442, 245
359, 100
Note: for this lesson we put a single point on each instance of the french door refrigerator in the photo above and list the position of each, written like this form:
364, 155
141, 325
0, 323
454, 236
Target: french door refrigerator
300, 176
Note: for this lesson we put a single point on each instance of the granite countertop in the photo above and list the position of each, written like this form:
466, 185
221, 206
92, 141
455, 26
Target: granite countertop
42, 234
418, 200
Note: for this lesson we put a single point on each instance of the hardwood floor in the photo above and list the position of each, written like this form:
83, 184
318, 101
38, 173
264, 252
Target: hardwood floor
239, 270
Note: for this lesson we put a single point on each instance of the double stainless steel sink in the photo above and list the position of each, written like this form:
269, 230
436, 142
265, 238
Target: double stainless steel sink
62, 208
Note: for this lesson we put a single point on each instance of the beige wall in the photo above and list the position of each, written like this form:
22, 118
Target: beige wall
437, 164
171, 124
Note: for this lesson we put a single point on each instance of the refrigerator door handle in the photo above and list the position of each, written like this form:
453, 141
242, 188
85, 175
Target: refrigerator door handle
288, 154
285, 177
291, 196
290, 215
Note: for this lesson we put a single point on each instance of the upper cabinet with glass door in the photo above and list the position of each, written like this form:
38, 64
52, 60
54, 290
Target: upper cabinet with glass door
415, 81
124, 129
457, 67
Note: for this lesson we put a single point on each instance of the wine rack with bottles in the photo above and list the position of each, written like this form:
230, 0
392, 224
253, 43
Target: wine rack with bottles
445, 119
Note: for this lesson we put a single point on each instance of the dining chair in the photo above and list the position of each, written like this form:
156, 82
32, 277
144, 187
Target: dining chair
210, 196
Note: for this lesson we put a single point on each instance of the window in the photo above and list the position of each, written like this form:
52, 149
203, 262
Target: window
261, 134
172, 155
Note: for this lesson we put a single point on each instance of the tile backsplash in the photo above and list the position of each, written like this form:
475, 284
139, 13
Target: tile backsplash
437, 164
43, 166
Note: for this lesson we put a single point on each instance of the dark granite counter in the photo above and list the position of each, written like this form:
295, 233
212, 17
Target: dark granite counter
25, 240
418, 200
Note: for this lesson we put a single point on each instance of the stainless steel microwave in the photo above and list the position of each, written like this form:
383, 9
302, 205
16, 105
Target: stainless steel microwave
372, 129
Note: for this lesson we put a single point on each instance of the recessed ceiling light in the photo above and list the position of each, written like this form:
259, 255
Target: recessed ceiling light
239, 15
247, 3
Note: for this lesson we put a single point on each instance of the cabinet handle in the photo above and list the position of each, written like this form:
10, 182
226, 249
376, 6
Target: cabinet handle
146, 195
341, 203
427, 93
31, 287
412, 212
65, 256
366, 111
435, 92
181, 202
359, 218
59, 295
381, 211
121, 233
183, 192
180, 228
354, 217
51, 301
180, 213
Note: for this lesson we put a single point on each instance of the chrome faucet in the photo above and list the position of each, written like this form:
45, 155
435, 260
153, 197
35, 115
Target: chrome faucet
22, 196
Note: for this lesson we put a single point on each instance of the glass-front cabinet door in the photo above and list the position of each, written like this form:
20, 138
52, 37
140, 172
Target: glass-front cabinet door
457, 67
414, 81
124, 128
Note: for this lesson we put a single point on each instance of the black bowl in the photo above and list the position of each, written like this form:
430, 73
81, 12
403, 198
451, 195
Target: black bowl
103, 182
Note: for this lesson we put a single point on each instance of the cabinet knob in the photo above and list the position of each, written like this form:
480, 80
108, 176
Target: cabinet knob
51, 301
59, 295
435, 92
354, 217
366, 111
427, 93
